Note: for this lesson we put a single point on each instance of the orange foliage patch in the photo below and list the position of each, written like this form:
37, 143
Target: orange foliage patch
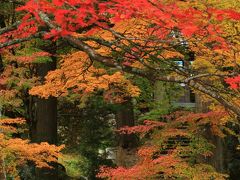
78, 75
17, 152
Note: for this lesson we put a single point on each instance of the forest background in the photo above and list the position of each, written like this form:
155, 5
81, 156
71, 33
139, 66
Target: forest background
110, 89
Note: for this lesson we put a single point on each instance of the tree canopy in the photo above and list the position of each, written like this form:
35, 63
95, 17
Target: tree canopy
118, 50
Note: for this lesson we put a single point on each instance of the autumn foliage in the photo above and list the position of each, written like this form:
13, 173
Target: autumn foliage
77, 75
171, 152
234, 82
17, 152
113, 42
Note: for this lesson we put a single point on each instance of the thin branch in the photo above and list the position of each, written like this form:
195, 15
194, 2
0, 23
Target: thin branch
17, 41
10, 28
207, 75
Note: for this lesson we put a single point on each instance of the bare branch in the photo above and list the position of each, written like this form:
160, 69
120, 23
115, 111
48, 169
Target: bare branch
17, 41
9, 28
207, 75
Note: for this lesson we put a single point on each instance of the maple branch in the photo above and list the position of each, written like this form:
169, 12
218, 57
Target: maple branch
103, 42
109, 61
190, 82
10, 28
124, 37
235, 108
17, 41
207, 75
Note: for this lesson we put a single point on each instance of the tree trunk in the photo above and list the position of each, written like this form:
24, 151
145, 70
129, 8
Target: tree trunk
44, 127
201, 105
160, 95
126, 148
218, 160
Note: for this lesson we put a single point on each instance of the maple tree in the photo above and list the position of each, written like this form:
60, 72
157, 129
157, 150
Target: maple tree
65, 21
117, 38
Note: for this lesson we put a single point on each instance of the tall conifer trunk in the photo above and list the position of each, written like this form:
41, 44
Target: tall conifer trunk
126, 143
44, 126
218, 160
160, 95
